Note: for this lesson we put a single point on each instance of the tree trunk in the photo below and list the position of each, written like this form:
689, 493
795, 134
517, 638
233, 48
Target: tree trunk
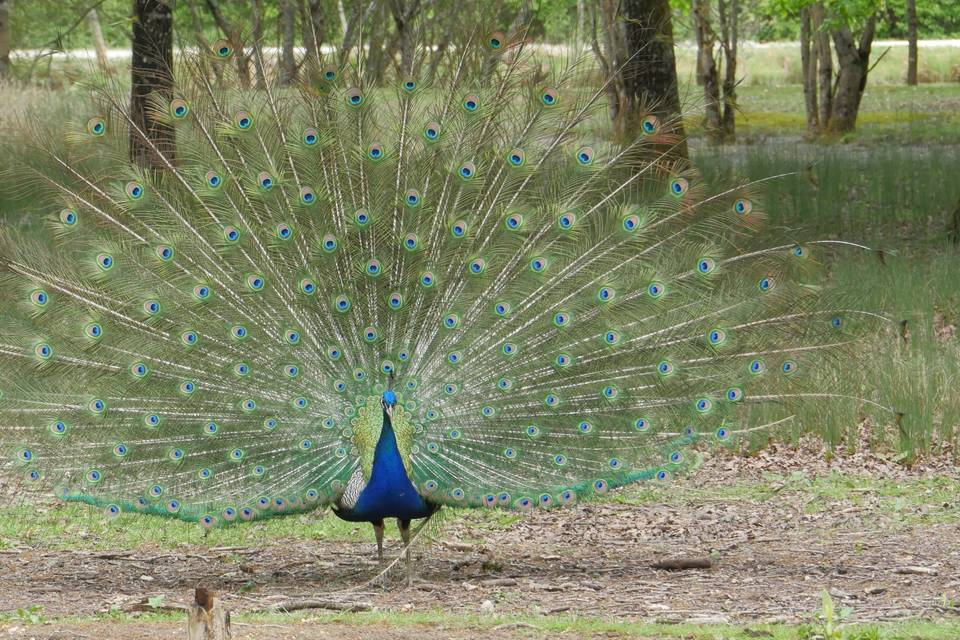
808, 66
404, 12
854, 60
361, 14
236, 41
343, 17
313, 31
615, 46
441, 49
151, 68
288, 26
707, 68
912, 42
378, 46
256, 19
581, 22
729, 38
6, 7
650, 74
825, 62
99, 46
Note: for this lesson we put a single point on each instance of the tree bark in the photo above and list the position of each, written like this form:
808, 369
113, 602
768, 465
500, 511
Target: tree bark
808, 66
650, 73
912, 42
707, 68
256, 19
288, 25
854, 60
343, 17
6, 7
825, 62
581, 21
151, 67
314, 26
379, 46
441, 49
729, 17
99, 45
615, 46
404, 12
361, 14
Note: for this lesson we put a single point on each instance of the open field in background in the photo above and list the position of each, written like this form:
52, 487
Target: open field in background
759, 64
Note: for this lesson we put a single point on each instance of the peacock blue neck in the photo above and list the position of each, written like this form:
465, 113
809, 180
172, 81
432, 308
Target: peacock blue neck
389, 493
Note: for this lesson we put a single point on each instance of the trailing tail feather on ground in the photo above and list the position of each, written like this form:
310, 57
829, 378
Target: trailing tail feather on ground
391, 300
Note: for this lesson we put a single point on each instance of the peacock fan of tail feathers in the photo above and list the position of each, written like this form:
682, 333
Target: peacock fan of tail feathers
386, 300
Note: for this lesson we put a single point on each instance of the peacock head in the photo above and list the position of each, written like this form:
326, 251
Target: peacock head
389, 400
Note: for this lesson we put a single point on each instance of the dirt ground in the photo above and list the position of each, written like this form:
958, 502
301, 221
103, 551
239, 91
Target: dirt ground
771, 560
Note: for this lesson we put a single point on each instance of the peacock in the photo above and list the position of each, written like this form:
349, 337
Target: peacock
443, 291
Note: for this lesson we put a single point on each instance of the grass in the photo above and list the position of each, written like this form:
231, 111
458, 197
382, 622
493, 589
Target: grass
913, 502
78, 527
894, 199
551, 626
776, 64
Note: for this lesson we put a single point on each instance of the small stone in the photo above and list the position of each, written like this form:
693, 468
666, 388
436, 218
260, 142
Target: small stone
487, 607
875, 590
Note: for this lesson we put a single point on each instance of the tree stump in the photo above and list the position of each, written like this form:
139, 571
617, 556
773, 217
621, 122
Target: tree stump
207, 619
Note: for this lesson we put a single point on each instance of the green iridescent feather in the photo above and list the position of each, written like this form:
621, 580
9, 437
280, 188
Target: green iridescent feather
558, 315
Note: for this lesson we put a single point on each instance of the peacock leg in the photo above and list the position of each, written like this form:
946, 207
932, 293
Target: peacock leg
404, 526
378, 530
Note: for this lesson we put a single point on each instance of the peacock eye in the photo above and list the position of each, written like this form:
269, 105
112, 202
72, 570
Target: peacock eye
431, 131
134, 190
222, 49
679, 186
243, 120
96, 126
179, 108
549, 96
496, 40
467, 170
354, 97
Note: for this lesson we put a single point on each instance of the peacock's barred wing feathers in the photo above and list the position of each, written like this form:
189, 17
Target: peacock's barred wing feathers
558, 316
